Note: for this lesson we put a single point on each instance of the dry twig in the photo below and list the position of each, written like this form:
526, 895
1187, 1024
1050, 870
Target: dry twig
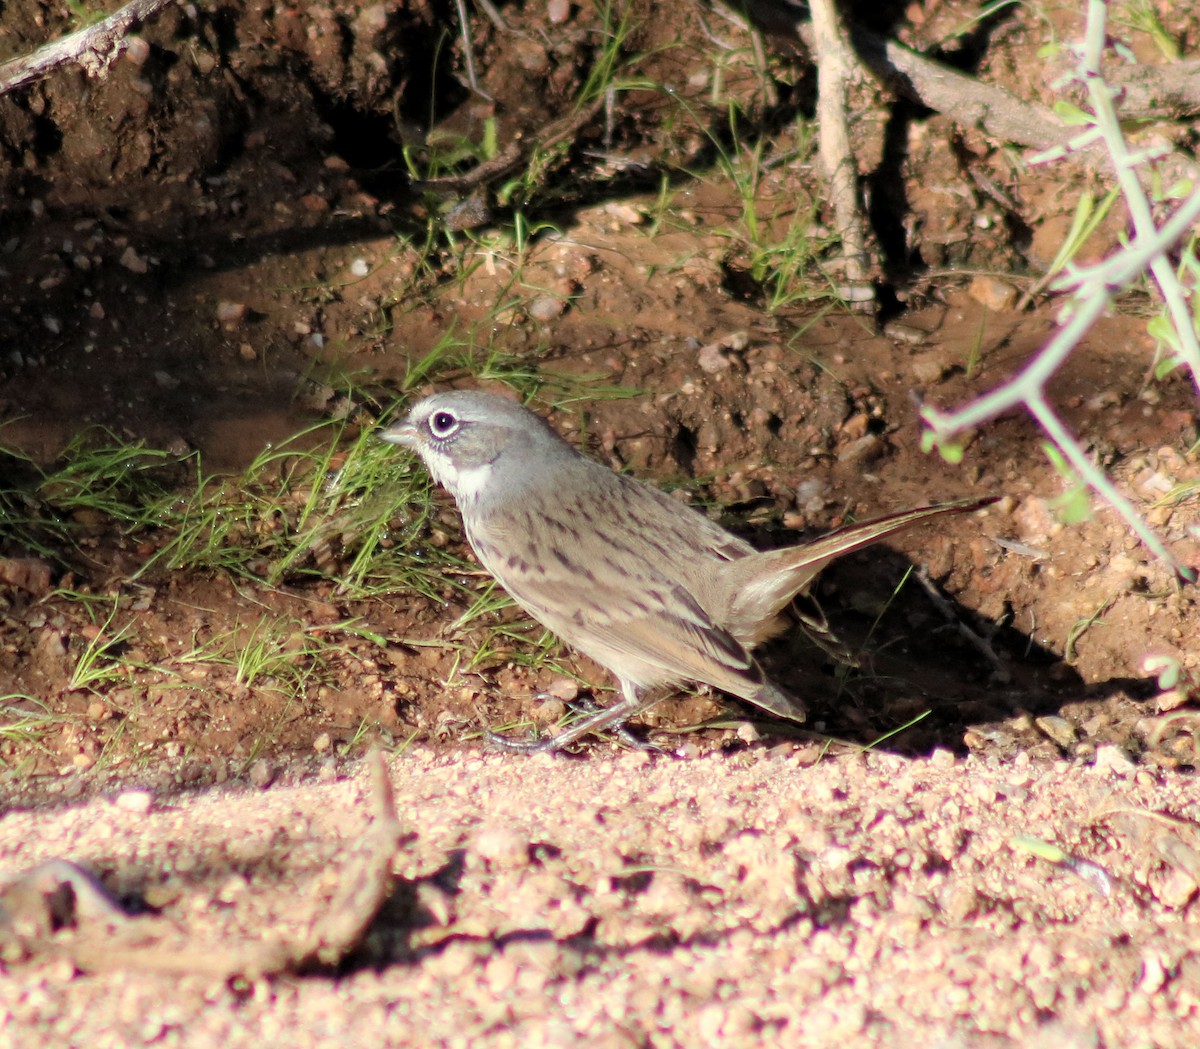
94, 48
60, 909
835, 61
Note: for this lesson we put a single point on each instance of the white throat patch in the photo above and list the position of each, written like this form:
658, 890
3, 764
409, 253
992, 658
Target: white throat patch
465, 483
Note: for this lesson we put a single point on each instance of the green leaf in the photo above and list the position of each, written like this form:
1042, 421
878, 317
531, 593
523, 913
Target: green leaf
1042, 849
950, 451
1073, 507
1072, 115
1179, 190
1163, 332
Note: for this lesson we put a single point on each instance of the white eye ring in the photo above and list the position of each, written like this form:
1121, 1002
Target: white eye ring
443, 424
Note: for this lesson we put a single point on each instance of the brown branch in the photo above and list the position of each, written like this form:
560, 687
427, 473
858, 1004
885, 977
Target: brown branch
366, 882
1170, 92
94, 48
517, 152
58, 909
835, 61
965, 99
1000, 115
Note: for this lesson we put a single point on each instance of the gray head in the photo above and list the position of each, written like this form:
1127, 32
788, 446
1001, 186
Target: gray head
467, 437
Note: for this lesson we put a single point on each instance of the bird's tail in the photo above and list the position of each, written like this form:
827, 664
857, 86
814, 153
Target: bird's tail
759, 586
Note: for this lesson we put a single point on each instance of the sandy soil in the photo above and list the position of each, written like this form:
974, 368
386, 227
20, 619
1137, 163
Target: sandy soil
987, 837
767, 896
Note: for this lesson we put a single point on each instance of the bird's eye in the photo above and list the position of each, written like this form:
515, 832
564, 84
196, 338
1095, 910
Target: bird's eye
442, 424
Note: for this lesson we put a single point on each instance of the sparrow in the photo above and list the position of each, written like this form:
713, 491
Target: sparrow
649, 588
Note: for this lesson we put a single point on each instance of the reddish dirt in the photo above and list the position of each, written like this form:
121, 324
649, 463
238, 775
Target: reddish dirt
253, 158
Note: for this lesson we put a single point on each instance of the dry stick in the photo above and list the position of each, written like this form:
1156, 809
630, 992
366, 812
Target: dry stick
1170, 92
516, 153
107, 940
54, 892
981, 644
1003, 116
966, 100
367, 882
1150, 92
834, 64
464, 22
94, 48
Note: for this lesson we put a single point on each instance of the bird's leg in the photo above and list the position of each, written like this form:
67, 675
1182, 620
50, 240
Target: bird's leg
614, 717
586, 704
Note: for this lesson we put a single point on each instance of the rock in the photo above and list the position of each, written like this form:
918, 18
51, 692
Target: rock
501, 846
262, 773
133, 262
138, 802
28, 573
995, 294
231, 313
1060, 730
546, 308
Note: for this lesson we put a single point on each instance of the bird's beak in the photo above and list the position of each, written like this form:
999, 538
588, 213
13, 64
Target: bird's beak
402, 433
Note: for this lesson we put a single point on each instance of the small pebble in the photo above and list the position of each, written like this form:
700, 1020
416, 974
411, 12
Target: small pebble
137, 50
133, 262
995, 294
563, 688
941, 758
138, 802
501, 846
1111, 758
546, 308
747, 732
1058, 729
262, 773
231, 312
711, 359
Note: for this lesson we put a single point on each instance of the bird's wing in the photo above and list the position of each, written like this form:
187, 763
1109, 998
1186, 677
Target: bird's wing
644, 627
681, 643
613, 572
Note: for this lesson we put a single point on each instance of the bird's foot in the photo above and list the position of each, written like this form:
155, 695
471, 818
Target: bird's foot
520, 746
597, 720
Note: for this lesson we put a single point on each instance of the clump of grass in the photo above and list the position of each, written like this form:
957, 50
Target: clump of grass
25, 723
332, 501
100, 481
101, 662
103, 475
777, 241
279, 653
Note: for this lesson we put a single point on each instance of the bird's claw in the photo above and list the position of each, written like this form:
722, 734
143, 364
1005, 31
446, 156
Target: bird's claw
520, 746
